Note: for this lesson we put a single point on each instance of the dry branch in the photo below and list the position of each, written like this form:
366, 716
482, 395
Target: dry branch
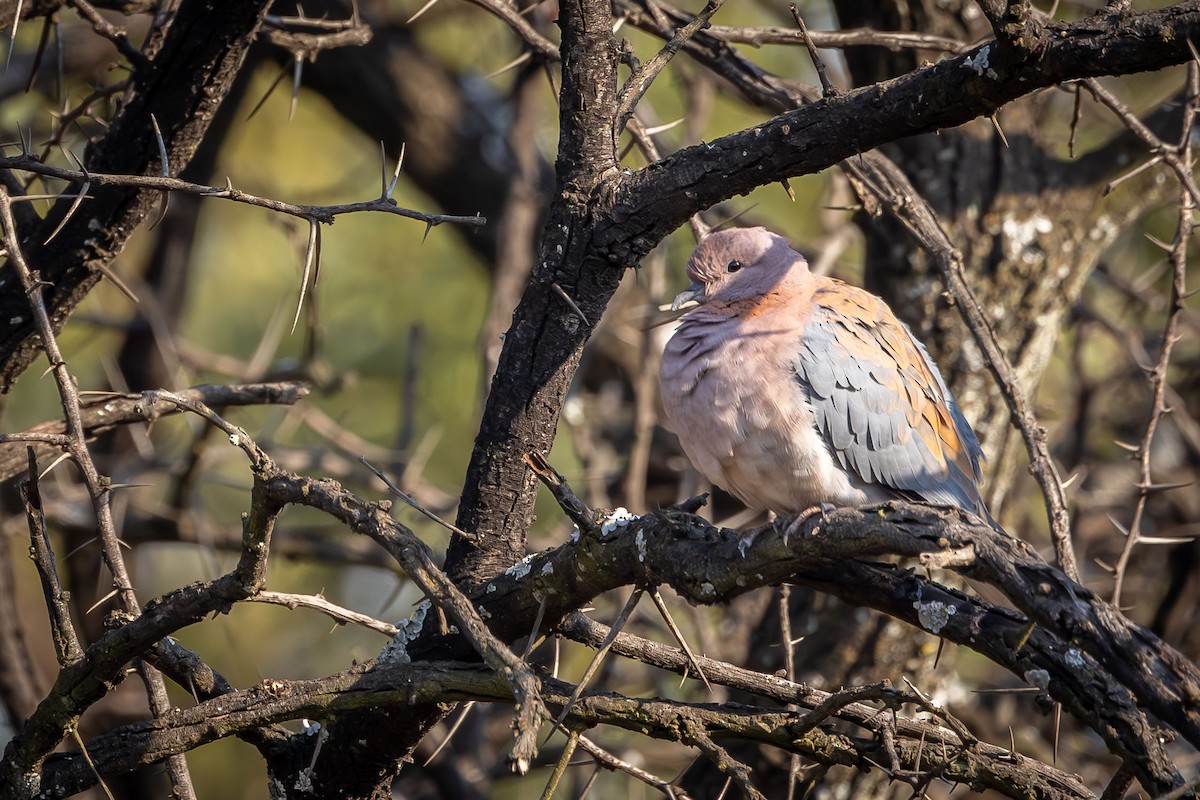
109, 410
183, 84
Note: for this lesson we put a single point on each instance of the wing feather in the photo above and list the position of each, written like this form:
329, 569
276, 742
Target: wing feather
881, 404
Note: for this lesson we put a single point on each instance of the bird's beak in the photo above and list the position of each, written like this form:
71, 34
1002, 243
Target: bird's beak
692, 294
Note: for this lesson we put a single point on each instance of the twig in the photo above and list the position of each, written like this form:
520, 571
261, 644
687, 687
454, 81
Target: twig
537, 43
645, 412
575, 509
323, 214
678, 634
1076, 115
847, 37
533, 632
930, 707
1176, 158
462, 717
237, 436
598, 656
1158, 377
560, 767
82, 110
640, 80
695, 734
66, 642
789, 666
827, 88
340, 614
307, 37
113, 33
610, 761
91, 764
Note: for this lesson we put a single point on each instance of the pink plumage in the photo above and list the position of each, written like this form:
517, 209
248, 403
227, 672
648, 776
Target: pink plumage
791, 390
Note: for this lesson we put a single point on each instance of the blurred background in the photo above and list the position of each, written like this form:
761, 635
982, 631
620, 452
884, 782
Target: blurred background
403, 326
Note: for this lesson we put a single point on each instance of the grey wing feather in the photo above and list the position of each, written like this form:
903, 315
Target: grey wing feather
864, 419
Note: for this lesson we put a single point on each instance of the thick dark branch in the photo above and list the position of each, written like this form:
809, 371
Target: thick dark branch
401, 685
1100, 665
659, 198
1073, 677
543, 346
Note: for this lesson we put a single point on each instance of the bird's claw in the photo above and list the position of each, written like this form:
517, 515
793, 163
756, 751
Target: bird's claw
744, 542
804, 516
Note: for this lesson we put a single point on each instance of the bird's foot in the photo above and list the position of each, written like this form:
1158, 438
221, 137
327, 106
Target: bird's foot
747, 538
804, 516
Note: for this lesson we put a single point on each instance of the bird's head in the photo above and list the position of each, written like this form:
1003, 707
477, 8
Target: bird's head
738, 264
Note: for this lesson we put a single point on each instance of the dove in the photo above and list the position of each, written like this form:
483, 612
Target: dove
794, 391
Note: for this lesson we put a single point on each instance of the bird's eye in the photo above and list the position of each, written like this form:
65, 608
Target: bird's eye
733, 266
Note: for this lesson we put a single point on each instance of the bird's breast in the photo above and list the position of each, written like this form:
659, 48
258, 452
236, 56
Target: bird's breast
730, 394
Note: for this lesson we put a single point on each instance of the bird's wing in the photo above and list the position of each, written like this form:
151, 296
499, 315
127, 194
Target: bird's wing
881, 403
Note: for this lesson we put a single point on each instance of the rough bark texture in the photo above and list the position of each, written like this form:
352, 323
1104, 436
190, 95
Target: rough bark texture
544, 343
601, 220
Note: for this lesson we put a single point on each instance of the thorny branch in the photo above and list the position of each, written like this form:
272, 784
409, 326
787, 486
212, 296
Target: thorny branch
635, 88
1181, 159
322, 214
398, 685
304, 699
721, 577
1118, 660
102, 411
98, 487
66, 643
